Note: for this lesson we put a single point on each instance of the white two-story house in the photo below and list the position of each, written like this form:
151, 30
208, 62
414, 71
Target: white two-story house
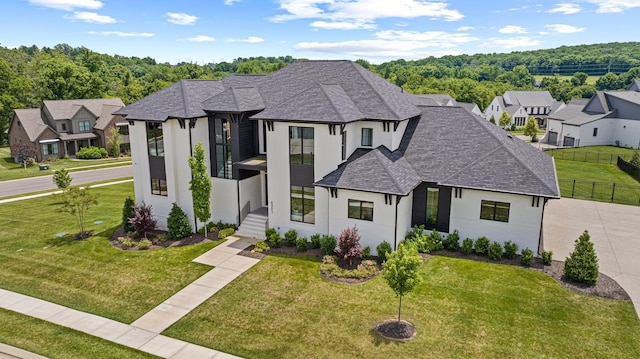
521, 105
320, 146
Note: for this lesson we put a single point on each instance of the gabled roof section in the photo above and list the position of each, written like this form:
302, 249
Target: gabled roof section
106, 116
321, 103
31, 120
574, 114
629, 96
440, 99
530, 98
66, 109
635, 86
450, 146
235, 100
378, 170
182, 99
597, 104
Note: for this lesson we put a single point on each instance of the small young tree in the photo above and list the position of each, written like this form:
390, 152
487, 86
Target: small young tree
114, 140
531, 129
505, 119
582, 264
200, 185
401, 271
77, 202
62, 179
178, 223
127, 213
349, 244
23, 151
142, 220
635, 158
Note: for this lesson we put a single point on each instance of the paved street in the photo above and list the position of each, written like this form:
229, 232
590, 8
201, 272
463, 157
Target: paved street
42, 183
614, 233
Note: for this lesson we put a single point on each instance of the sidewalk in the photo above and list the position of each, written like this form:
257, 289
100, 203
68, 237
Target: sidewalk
58, 192
143, 334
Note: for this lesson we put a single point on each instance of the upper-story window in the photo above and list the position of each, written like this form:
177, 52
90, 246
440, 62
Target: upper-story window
123, 130
223, 162
63, 127
84, 126
344, 145
367, 137
301, 145
155, 141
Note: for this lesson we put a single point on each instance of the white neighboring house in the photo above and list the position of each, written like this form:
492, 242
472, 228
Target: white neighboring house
320, 146
608, 118
521, 105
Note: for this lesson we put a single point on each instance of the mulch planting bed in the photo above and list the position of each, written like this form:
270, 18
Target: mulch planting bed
396, 330
193, 239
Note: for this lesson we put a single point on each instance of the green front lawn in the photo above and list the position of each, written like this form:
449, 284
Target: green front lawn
89, 275
595, 172
596, 154
282, 308
10, 170
54, 341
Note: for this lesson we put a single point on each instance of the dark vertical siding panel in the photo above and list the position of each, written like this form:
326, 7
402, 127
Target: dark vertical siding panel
212, 148
419, 209
444, 209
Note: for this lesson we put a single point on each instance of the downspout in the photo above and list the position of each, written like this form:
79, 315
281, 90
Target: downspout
237, 180
395, 227
195, 220
540, 238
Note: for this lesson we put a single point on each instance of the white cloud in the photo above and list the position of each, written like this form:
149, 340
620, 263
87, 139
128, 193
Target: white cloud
395, 44
513, 29
68, 5
181, 18
465, 28
609, 6
230, 2
123, 34
565, 9
402, 24
342, 25
90, 17
362, 12
564, 29
250, 39
510, 42
201, 38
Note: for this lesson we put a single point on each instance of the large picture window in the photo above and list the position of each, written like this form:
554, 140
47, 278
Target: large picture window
155, 142
367, 137
432, 205
301, 145
360, 210
50, 149
303, 204
223, 168
495, 211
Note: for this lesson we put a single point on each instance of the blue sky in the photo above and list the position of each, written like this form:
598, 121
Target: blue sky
204, 31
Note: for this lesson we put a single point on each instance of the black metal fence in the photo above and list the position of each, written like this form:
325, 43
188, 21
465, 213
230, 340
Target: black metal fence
629, 168
586, 156
600, 191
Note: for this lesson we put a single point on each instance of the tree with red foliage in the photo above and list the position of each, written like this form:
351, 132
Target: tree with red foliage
349, 244
23, 151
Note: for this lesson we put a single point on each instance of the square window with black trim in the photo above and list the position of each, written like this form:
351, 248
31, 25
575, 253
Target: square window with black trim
367, 137
360, 210
494, 211
159, 187
303, 204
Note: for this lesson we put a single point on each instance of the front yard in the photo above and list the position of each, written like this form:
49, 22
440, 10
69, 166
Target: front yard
282, 308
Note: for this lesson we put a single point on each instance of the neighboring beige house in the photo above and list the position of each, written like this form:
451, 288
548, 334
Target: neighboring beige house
521, 105
60, 128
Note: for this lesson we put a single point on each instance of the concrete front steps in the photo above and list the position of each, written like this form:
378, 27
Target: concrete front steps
253, 226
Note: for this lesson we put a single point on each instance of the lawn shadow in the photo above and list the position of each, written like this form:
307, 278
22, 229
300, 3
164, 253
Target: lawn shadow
65, 239
379, 340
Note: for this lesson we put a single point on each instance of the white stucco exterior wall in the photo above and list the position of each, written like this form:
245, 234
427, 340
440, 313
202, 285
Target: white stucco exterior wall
251, 192
524, 223
627, 132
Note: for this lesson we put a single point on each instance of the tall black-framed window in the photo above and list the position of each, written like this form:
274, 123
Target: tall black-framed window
223, 161
367, 137
344, 145
432, 205
595, 131
301, 145
159, 186
157, 171
494, 211
303, 204
360, 210
155, 141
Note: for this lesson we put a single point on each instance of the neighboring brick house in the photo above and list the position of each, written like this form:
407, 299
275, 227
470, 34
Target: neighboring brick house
521, 105
60, 128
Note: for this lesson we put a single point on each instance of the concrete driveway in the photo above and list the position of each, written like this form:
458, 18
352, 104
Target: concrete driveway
615, 233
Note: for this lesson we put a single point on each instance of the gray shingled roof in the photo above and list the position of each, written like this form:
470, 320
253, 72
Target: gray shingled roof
452, 147
183, 99
378, 170
530, 98
31, 121
65, 109
106, 116
629, 96
235, 100
440, 99
574, 114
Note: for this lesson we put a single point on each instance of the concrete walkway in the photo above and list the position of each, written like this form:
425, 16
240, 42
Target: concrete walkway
143, 334
614, 232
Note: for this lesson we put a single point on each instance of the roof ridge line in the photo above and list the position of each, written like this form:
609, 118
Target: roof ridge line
377, 153
331, 102
384, 102
183, 98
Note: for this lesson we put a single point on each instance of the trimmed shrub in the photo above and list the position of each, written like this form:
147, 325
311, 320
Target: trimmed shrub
366, 252
510, 249
482, 245
30, 162
269, 232
126, 242
178, 223
142, 220
467, 246
144, 244
582, 264
62, 179
526, 257
260, 247
92, 153
328, 244
383, 249
495, 251
159, 239
226, 232
452, 241
301, 244
349, 244
315, 240
329, 267
127, 212
547, 257
415, 232
275, 240
435, 241
425, 243
290, 237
